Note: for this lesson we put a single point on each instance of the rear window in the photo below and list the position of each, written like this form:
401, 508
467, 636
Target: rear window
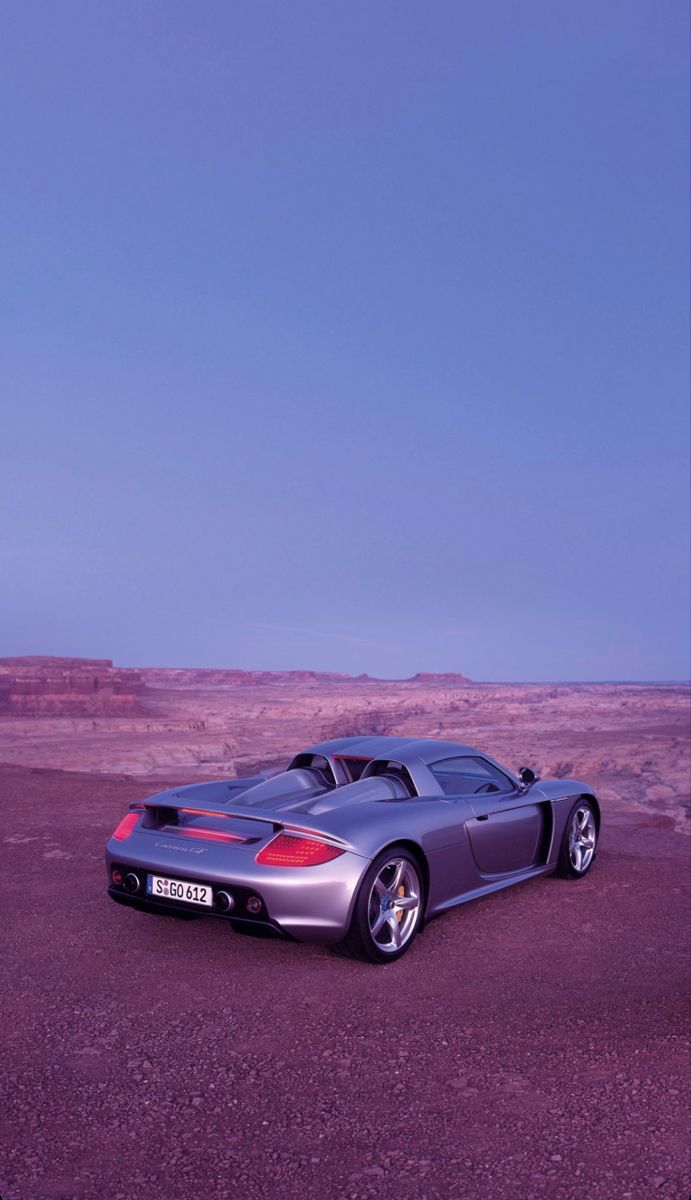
353, 767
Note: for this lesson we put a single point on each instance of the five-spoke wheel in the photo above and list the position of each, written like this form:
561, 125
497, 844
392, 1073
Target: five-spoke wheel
388, 908
394, 904
579, 842
582, 839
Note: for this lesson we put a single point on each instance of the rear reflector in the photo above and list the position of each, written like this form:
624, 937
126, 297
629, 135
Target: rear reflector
126, 825
286, 850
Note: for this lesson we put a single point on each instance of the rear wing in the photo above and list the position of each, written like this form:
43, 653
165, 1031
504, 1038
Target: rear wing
217, 822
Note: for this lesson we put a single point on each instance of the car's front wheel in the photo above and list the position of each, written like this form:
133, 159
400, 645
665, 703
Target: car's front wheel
579, 842
388, 909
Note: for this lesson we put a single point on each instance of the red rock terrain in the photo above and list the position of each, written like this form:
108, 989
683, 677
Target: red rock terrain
631, 741
531, 1046
41, 687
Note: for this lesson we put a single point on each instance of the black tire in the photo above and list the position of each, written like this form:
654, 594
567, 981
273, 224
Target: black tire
584, 817
359, 941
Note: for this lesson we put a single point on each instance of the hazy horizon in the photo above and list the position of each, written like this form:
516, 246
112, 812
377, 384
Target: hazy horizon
348, 339
195, 666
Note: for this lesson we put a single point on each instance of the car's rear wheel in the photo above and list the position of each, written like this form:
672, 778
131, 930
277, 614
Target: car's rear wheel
388, 909
579, 842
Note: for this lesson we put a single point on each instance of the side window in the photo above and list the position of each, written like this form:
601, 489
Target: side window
469, 777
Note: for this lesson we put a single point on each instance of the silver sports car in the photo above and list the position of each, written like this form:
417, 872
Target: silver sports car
358, 843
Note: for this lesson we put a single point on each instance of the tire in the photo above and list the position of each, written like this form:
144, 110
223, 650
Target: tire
388, 909
579, 841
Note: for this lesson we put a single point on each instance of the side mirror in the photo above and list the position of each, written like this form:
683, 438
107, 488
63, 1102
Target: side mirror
527, 776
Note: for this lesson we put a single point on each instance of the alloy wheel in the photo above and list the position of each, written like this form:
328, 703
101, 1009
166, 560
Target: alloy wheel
394, 905
582, 838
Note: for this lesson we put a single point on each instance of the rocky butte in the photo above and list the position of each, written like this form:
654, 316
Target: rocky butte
46, 686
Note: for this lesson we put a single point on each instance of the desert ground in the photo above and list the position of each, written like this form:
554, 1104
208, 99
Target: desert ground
533, 1044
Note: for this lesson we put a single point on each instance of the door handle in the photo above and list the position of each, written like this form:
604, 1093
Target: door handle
485, 817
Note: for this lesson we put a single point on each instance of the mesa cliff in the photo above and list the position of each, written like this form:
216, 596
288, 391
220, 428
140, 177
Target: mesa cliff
44, 686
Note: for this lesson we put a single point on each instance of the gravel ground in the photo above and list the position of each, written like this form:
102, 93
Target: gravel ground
530, 1045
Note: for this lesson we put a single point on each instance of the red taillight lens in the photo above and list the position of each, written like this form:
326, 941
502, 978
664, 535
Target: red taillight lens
286, 850
126, 825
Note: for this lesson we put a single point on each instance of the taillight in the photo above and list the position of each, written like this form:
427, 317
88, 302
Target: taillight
286, 850
126, 825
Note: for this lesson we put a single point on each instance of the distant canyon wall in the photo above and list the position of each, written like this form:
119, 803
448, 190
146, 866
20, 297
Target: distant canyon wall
43, 686
49, 687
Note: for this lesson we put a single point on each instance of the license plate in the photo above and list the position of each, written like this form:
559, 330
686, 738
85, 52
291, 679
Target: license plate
179, 889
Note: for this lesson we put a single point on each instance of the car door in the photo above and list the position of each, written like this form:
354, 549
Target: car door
505, 825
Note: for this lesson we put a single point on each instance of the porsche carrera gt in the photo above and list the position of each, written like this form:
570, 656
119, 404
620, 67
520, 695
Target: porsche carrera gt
358, 843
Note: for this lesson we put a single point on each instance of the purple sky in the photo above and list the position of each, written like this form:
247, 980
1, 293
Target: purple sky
348, 337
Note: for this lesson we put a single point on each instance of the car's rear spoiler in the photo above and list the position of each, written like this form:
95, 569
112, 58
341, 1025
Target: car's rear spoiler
165, 814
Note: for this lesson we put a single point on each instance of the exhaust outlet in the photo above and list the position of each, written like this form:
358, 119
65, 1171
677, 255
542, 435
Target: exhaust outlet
132, 882
224, 901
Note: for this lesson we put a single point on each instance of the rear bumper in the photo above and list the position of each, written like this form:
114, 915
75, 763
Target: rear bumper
241, 924
309, 904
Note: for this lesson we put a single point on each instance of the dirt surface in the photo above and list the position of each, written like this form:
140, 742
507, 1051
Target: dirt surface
530, 1045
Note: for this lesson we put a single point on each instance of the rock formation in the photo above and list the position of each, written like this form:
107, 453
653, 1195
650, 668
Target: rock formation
43, 686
